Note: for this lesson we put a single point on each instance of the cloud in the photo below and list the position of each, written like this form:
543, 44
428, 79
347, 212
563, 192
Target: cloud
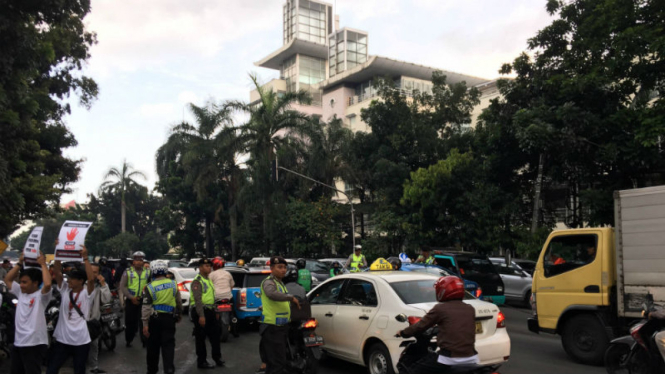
187, 97
156, 110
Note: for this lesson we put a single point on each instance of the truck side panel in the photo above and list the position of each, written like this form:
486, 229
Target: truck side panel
640, 248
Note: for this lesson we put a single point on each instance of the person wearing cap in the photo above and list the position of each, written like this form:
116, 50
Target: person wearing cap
275, 317
71, 336
162, 308
202, 313
131, 286
356, 261
425, 257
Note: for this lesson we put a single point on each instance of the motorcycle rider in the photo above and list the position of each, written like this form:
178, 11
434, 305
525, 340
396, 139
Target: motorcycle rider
304, 275
202, 302
131, 285
335, 269
457, 330
356, 260
660, 337
101, 296
293, 287
221, 279
161, 310
30, 335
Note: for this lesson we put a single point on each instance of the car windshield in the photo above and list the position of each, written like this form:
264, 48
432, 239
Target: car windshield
475, 265
187, 273
254, 280
418, 291
431, 270
316, 267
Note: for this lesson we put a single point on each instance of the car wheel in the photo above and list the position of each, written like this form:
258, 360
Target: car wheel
585, 340
527, 299
378, 360
616, 358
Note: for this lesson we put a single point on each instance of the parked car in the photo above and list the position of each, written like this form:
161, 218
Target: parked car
193, 263
470, 286
475, 267
259, 262
516, 280
247, 292
183, 278
356, 314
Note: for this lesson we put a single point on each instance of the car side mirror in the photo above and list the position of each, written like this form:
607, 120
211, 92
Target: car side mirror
401, 317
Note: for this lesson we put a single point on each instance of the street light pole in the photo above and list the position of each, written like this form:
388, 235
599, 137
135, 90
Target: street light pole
353, 219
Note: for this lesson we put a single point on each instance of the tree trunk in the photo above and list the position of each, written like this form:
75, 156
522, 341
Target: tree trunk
536, 194
209, 244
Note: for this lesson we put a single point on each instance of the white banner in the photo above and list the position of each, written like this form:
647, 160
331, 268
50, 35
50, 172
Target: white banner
31, 248
71, 238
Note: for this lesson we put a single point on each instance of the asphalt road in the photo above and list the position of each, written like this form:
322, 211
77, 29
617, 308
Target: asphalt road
530, 353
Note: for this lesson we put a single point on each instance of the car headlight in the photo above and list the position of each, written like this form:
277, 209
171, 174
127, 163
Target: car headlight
499, 289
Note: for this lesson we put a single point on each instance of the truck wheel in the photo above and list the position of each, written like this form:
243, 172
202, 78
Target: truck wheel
584, 339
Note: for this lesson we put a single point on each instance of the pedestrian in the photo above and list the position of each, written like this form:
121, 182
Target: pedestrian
425, 257
119, 273
202, 302
335, 269
4, 268
275, 317
304, 275
71, 336
356, 260
106, 271
162, 308
102, 296
131, 285
222, 280
30, 335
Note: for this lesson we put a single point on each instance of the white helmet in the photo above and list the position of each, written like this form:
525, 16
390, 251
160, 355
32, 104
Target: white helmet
159, 267
138, 255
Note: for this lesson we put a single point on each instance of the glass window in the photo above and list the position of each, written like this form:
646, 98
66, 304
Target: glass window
418, 291
316, 267
255, 280
359, 293
475, 265
362, 39
362, 59
238, 279
327, 293
566, 253
351, 46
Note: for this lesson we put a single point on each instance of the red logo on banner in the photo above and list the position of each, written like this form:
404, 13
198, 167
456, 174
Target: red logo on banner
72, 234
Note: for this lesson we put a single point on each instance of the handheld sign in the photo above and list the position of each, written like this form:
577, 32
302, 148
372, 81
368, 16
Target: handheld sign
31, 248
71, 238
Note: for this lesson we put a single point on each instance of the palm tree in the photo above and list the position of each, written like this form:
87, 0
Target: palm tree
270, 123
122, 179
202, 152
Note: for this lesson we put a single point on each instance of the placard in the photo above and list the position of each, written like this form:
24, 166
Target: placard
31, 248
71, 238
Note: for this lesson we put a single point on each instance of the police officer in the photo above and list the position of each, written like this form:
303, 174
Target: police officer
131, 285
425, 257
275, 317
202, 302
356, 260
162, 308
304, 275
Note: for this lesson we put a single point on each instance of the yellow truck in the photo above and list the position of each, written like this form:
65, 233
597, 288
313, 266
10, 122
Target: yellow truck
589, 284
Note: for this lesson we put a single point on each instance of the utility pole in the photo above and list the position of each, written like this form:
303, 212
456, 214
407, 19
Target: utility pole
536, 197
353, 219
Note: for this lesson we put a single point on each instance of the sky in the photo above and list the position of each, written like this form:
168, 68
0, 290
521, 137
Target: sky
153, 57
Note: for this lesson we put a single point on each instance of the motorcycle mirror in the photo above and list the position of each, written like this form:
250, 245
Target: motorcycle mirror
401, 317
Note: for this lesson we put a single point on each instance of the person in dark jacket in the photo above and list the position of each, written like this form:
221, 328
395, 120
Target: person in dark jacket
457, 330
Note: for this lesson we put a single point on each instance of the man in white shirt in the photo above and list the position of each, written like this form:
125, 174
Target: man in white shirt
31, 337
71, 334
221, 279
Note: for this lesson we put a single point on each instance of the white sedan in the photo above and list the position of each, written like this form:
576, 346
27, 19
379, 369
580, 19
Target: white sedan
356, 314
184, 278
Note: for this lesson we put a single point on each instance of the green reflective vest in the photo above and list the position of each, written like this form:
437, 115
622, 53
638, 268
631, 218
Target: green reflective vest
136, 282
356, 262
305, 279
275, 312
208, 294
163, 293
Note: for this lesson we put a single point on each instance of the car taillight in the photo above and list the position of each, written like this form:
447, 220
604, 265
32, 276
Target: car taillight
413, 320
181, 286
479, 293
310, 324
500, 320
243, 298
635, 333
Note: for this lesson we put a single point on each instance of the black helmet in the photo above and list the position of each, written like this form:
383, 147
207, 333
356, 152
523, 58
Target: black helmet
395, 262
291, 276
300, 264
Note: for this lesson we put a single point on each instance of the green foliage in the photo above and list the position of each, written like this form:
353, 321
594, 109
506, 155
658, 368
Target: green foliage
121, 245
43, 48
309, 228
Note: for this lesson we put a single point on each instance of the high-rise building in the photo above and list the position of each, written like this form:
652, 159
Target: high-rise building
335, 67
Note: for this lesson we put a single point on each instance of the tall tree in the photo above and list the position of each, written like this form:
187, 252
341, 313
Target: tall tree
43, 49
121, 180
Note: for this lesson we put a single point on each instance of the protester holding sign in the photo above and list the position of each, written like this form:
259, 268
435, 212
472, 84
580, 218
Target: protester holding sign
71, 238
30, 337
71, 334
31, 250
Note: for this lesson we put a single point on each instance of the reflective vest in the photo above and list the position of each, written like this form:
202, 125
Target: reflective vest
275, 312
305, 279
163, 293
429, 261
136, 282
208, 294
356, 262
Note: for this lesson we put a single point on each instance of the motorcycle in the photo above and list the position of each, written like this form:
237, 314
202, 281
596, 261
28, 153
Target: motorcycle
8, 302
303, 344
637, 353
227, 320
111, 324
52, 312
414, 350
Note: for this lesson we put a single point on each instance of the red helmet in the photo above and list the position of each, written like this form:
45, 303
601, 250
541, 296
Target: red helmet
217, 263
449, 288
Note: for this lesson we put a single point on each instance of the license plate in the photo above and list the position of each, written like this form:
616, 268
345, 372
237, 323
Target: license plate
479, 327
313, 341
108, 317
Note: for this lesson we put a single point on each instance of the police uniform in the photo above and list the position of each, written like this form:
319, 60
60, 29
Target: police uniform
162, 307
274, 321
203, 289
132, 284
